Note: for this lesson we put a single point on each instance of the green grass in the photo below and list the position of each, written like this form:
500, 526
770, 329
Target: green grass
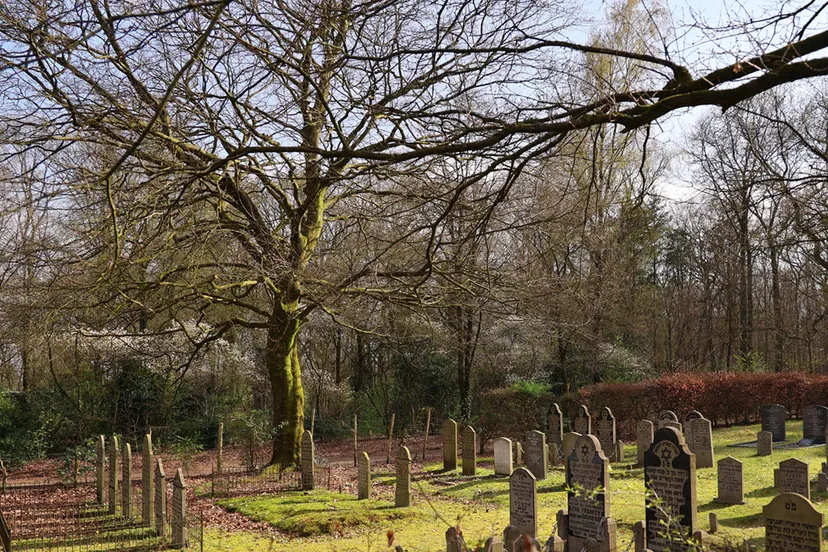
323, 521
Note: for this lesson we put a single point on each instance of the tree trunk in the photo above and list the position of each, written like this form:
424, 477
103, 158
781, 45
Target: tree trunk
778, 319
282, 360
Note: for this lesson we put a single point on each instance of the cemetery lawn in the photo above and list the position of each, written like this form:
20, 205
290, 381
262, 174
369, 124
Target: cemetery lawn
326, 521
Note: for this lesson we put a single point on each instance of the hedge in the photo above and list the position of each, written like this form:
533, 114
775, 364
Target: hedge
723, 397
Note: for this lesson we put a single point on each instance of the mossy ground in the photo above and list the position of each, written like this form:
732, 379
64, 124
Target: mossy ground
323, 521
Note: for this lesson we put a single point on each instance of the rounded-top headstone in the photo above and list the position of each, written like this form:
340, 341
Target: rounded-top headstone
583, 421
792, 524
670, 477
587, 477
523, 502
693, 415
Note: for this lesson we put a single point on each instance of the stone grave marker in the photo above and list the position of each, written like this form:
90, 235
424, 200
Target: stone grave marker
518, 453
402, 493
583, 422
469, 450
454, 540
126, 482
603, 427
668, 418
5, 535
536, 454
692, 415
764, 443
670, 475
363, 476
100, 468
792, 524
449, 445
503, 464
700, 441
516, 541
307, 461
113, 476
814, 423
587, 480
773, 418
569, 445
523, 502
179, 513
555, 421
644, 432
793, 477
731, 481
147, 487
160, 499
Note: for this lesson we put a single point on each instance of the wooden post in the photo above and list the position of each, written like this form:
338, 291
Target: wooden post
220, 445
356, 443
425, 441
390, 438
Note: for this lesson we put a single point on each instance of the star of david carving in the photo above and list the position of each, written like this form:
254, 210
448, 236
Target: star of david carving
585, 450
666, 457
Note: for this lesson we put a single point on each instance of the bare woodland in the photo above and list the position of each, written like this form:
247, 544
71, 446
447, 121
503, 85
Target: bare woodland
348, 198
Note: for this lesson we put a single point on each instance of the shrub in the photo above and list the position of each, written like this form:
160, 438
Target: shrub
723, 397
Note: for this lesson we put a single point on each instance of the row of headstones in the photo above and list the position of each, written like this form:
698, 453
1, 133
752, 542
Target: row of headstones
670, 477
153, 489
814, 422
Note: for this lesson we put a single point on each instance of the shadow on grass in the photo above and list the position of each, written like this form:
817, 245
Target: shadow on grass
762, 493
749, 520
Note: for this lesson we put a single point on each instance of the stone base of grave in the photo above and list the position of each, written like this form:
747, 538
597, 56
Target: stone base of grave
703, 538
514, 540
607, 543
494, 544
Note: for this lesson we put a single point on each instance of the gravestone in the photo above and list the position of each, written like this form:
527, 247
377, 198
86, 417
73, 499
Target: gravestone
503, 464
670, 475
113, 476
126, 482
700, 441
402, 493
569, 440
160, 499
731, 481
523, 502
692, 415
5, 535
773, 418
644, 432
179, 513
583, 422
603, 427
363, 476
147, 488
668, 418
587, 480
518, 453
814, 422
449, 445
307, 461
536, 454
555, 421
454, 540
100, 467
514, 540
764, 443
793, 477
469, 450
792, 524
619, 451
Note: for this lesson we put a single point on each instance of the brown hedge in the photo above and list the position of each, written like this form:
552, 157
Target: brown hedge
723, 397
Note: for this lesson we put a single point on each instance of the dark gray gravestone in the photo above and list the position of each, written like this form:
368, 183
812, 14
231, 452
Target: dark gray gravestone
670, 478
587, 478
773, 419
535, 454
603, 427
583, 421
555, 421
814, 422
